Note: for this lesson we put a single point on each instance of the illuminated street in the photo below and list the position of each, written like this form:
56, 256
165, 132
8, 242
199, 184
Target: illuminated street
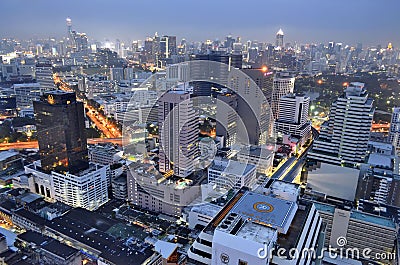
34, 144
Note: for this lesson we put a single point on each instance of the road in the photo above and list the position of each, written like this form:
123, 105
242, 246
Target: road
108, 129
293, 166
34, 144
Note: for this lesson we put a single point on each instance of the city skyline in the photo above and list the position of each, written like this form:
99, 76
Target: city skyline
349, 22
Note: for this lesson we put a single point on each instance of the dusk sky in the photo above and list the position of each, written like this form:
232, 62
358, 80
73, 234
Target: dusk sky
348, 21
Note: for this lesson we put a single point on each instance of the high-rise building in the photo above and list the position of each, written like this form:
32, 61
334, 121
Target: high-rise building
204, 88
279, 39
227, 118
26, 94
178, 133
61, 132
44, 76
283, 84
293, 117
361, 230
167, 46
344, 137
394, 134
263, 78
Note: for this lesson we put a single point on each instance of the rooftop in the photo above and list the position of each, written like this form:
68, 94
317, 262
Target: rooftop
208, 209
33, 237
256, 232
231, 167
335, 181
59, 249
380, 160
7, 154
264, 209
166, 249
382, 221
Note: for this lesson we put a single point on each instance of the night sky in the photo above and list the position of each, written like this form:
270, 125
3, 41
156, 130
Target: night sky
349, 21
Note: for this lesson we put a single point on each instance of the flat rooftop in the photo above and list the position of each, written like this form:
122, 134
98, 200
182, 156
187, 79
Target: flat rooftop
208, 209
256, 232
7, 154
335, 181
382, 221
232, 167
380, 160
267, 210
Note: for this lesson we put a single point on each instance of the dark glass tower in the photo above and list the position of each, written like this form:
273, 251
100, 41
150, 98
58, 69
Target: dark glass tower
61, 132
202, 88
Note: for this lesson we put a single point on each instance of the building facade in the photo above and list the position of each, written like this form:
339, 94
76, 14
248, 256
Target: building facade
344, 137
61, 132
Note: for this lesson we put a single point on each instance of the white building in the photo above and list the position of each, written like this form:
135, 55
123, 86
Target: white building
148, 189
283, 84
178, 133
26, 93
293, 117
344, 137
104, 154
260, 156
394, 134
44, 76
202, 214
253, 221
229, 174
87, 189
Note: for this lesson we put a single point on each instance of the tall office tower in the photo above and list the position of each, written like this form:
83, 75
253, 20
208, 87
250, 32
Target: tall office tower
204, 88
227, 118
81, 43
229, 41
167, 46
70, 44
279, 39
344, 137
293, 117
263, 78
178, 130
394, 134
61, 132
44, 76
283, 84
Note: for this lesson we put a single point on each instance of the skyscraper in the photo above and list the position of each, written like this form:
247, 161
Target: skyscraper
227, 117
167, 46
283, 84
279, 39
61, 132
204, 88
344, 137
394, 134
178, 133
263, 78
